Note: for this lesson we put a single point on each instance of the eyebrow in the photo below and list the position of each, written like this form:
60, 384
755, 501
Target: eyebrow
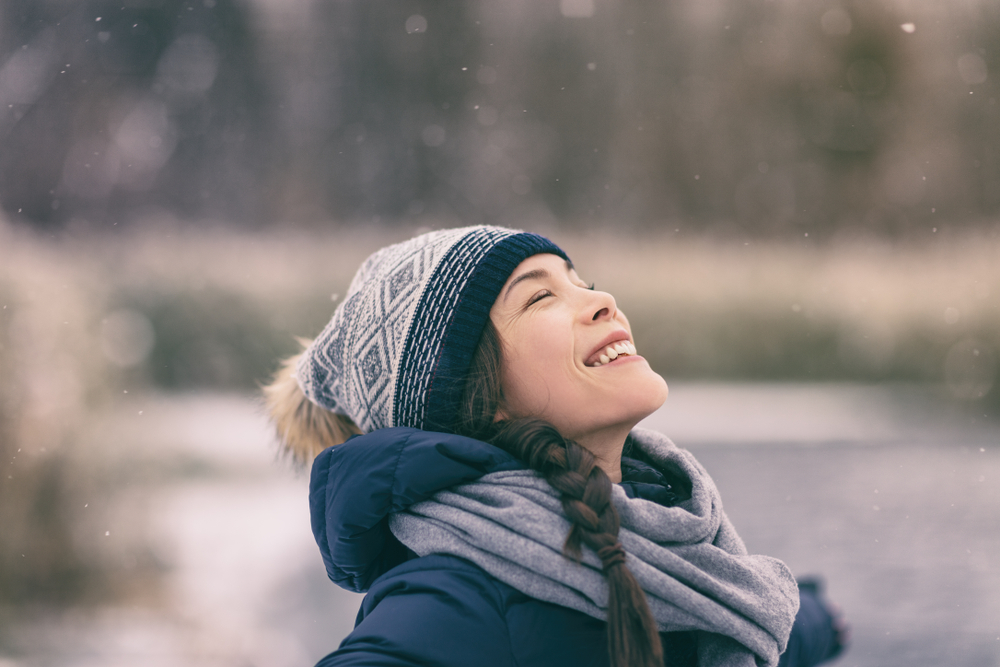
536, 274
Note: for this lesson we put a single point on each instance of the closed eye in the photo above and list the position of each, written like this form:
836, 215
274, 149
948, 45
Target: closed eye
538, 296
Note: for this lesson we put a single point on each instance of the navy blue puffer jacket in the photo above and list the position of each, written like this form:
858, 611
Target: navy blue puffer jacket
441, 610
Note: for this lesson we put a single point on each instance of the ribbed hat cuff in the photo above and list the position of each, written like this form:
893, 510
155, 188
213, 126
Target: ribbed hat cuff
472, 310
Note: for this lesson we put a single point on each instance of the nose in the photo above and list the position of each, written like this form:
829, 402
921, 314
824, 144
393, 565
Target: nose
605, 304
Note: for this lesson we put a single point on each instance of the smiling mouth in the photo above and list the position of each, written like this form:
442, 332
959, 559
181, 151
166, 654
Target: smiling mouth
620, 349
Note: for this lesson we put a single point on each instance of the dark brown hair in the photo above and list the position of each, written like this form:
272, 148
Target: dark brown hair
585, 491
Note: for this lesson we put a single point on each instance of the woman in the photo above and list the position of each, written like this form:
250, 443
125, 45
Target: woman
498, 504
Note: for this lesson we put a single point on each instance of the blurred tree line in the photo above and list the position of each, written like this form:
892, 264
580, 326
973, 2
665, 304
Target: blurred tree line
763, 117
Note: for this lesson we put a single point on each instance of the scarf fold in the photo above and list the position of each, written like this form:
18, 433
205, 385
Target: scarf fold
693, 567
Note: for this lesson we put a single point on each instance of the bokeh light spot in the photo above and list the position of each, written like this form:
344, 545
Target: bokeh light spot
972, 68
127, 338
416, 23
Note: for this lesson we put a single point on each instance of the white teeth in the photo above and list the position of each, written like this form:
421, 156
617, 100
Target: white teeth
612, 352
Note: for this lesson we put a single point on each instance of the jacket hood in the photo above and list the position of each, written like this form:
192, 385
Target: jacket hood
357, 485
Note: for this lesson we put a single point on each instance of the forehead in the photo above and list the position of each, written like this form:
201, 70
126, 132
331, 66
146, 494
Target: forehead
551, 264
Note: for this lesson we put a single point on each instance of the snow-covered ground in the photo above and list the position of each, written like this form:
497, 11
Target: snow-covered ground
890, 494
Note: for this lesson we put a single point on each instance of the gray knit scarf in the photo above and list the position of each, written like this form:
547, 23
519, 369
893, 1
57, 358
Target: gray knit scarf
688, 559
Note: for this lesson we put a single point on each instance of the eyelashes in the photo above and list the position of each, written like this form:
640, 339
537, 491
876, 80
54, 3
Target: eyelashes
539, 296
546, 293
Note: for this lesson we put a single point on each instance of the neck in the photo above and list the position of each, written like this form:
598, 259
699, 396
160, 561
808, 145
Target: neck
606, 445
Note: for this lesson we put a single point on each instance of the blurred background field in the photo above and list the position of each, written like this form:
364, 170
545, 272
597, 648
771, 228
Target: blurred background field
796, 203
142, 483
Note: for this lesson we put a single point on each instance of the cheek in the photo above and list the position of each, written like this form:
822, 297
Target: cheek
526, 384
537, 375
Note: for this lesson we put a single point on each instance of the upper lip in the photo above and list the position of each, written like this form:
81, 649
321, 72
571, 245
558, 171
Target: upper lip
613, 337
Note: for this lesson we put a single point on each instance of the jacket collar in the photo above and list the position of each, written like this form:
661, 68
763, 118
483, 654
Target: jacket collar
355, 486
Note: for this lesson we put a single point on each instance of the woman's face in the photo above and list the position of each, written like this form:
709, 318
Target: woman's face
557, 365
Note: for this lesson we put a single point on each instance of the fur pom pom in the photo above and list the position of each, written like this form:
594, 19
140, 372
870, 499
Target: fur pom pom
304, 429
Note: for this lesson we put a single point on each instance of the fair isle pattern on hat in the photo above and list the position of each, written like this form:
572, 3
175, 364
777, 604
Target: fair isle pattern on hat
398, 347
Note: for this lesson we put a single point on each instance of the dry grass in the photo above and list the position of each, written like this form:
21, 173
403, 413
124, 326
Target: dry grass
225, 306
48, 375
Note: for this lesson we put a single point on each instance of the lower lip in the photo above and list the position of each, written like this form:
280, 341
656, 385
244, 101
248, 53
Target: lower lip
621, 360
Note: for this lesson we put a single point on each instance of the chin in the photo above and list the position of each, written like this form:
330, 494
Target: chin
623, 408
652, 396
647, 389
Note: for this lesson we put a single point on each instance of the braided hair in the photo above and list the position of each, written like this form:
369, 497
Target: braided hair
585, 492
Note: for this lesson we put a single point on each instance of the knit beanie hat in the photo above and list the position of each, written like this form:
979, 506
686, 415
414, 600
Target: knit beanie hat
399, 345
